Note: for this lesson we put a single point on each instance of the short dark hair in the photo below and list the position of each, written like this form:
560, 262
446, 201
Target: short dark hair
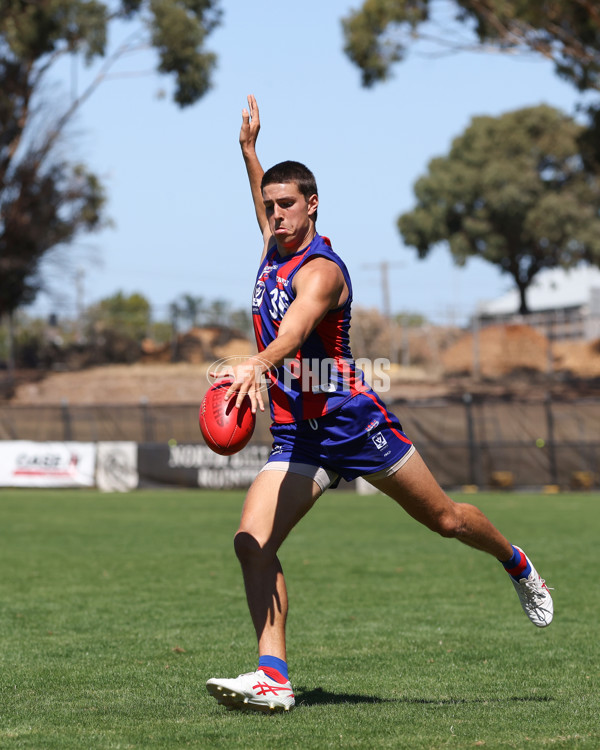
291, 171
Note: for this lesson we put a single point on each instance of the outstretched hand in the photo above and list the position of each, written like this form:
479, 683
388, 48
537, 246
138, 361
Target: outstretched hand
250, 124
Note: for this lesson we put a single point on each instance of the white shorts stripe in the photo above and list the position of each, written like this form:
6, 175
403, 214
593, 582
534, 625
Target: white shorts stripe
323, 477
391, 469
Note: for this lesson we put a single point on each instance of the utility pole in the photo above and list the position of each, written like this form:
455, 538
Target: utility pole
384, 267
79, 277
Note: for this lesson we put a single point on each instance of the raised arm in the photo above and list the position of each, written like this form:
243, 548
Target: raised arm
248, 136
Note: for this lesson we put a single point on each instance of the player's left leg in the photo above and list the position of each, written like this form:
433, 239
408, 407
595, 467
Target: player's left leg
414, 488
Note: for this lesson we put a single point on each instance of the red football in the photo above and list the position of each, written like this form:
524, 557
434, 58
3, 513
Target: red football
225, 429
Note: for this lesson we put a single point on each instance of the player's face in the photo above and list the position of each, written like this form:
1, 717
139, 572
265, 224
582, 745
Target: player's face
288, 214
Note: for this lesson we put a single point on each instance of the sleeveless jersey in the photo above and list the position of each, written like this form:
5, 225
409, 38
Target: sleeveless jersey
321, 376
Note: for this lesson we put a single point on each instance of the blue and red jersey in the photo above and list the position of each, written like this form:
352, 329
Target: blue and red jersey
322, 375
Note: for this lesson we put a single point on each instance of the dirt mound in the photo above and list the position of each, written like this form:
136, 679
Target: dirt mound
198, 345
500, 350
119, 384
503, 350
580, 358
155, 379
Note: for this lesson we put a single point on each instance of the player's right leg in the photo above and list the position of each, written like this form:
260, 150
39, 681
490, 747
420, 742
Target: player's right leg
275, 503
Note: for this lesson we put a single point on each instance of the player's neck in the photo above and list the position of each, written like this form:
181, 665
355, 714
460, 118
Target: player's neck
297, 247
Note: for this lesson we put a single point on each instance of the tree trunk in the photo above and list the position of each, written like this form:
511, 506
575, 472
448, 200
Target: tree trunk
8, 387
523, 309
11, 345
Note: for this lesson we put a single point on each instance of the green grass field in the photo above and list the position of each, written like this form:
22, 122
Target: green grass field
115, 609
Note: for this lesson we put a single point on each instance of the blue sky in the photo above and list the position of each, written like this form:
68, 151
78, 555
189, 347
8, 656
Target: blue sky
178, 196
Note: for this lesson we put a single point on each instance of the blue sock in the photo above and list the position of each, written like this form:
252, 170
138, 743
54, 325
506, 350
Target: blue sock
518, 566
271, 664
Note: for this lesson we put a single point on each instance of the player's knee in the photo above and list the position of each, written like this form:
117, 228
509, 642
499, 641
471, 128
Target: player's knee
249, 551
246, 546
448, 524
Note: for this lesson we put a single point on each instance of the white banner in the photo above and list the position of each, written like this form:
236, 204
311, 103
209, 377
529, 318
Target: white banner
116, 467
24, 463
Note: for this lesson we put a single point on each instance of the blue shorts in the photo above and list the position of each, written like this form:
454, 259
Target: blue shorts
361, 438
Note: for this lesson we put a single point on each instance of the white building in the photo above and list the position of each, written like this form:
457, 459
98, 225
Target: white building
563, 304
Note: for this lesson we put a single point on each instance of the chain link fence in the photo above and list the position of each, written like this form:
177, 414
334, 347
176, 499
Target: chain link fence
477, 441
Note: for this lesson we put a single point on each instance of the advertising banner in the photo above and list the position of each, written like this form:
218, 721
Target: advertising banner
193, 465
24, 463
116, 466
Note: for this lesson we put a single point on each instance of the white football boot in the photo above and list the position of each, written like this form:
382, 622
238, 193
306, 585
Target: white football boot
534, 597
253, 691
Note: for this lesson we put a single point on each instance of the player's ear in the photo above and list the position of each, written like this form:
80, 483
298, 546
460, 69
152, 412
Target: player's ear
313, 204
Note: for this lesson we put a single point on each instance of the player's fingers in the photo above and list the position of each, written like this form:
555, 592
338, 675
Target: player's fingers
233, 387
255, 398
220, 374
240, 398
254, 111
231, 390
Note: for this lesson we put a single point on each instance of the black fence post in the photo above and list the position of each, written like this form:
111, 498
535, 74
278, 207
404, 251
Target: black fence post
551, 440
147, 420
66, 420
